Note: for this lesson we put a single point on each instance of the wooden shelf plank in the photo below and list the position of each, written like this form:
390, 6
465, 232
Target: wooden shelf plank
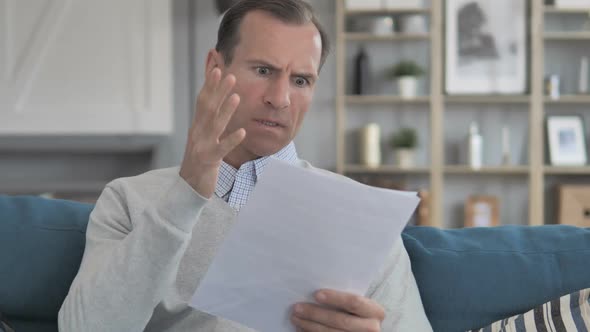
487, 170
385, 99
385, 169
572, 35
390, 11
488, 99
359, 36
569, 99
567, 170
558, 10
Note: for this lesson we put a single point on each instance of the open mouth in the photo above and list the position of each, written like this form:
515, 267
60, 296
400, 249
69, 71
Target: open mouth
269, 123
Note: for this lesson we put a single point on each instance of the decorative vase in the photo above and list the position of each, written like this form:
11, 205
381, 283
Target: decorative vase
413, 24
407, 86
405, 157
370, 146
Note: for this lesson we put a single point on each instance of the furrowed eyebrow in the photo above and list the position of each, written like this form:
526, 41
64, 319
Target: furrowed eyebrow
308, 76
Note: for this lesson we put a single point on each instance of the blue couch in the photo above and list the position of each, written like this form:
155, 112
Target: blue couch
467, 277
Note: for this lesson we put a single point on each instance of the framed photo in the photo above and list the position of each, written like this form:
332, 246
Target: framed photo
482, 211
567, 140
573, 203
485, 52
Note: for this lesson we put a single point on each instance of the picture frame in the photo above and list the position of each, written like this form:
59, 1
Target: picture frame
573, 205
486, 53
482, 211
566, 138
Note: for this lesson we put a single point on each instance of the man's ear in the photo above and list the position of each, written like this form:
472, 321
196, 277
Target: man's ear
214, 60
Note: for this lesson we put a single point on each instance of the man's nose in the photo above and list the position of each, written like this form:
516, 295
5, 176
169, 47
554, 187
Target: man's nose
277, 94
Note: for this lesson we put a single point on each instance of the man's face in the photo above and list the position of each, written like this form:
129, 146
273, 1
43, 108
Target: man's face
276, 67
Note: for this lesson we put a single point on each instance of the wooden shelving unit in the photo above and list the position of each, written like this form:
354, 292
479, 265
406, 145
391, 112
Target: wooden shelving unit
563, 170
385, 38
569, 99
573, 35
491, 99
385, 99
397, 11
489, 170
532, 175
385, 169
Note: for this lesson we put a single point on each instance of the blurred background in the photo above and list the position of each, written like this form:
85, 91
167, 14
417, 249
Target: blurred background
480, 105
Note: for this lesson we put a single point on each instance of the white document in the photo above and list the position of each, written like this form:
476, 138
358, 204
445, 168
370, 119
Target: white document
300, 231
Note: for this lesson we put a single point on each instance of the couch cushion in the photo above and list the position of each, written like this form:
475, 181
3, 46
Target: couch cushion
40, 252
471, 277
34, 326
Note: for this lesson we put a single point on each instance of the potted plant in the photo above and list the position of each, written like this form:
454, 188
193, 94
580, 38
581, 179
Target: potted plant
404, 144
406, 73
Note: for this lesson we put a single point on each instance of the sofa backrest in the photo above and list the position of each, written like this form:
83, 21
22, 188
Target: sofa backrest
469, 278
41, 246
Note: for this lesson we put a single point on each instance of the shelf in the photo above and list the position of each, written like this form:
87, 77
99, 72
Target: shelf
487, 170
488, 99
384, 99
573, 35
358, 36
569, 99
392, 11
385, 169
557, 10
567, 170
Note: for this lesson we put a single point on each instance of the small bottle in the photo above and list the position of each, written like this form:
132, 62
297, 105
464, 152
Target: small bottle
361, 73
474, 147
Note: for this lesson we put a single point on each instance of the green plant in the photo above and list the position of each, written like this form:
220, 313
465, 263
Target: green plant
405, 138
405, 68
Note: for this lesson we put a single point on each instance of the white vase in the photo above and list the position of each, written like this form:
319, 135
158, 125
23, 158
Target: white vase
405, 158
370, 146
407, 86
412, 24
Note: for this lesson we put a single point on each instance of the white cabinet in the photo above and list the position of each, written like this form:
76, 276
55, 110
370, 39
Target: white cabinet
85, 67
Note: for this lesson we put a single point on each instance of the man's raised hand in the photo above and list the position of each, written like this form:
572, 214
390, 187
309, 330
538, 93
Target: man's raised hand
207, 143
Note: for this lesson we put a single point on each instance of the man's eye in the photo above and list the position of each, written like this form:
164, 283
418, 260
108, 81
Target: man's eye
263, 71
300, 81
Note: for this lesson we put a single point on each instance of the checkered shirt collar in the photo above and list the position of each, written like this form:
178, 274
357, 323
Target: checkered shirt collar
252, 169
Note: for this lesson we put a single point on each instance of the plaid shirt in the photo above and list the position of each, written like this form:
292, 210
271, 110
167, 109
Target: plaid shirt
235, 185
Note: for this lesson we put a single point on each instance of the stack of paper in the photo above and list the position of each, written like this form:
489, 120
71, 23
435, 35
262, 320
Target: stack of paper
302, 230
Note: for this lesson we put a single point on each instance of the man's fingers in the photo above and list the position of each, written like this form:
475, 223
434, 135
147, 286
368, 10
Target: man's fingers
212, 79
231, 141
227, 110
334, 319
306, 325
212, 97
222, 91
354, 304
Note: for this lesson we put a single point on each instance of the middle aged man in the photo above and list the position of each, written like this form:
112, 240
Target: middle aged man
151, 238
